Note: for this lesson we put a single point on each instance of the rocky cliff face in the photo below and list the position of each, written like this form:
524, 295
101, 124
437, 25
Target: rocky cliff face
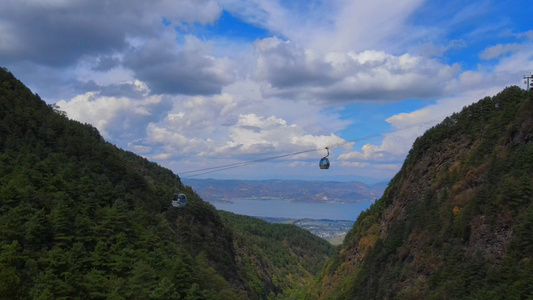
455, 221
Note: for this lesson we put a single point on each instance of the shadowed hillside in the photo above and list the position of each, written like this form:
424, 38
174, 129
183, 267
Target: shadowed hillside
456, 221
80, 218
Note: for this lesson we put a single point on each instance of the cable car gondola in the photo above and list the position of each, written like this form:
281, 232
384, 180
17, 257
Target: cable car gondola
179, 200
324, 162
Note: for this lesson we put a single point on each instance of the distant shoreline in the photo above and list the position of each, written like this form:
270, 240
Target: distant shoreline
334, 201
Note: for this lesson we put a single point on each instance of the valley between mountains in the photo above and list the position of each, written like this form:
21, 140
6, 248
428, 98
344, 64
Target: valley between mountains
83, 219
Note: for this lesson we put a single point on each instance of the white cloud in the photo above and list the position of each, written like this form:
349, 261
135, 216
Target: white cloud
221, 100
361, 25
254, 134
114, 117
162, 156
89, 108
85, 72
190, 70
527, 34
166, 137
249, 136
8, 41
355, 164
52, 32
392, 167
499, 50
326, 26
298, 164
407, 127
433, 50
141, 149
393, 147
239, 122
96, 46
369, 75
510, 69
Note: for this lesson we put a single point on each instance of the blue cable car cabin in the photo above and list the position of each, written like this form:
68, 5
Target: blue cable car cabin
179, 201
324, 163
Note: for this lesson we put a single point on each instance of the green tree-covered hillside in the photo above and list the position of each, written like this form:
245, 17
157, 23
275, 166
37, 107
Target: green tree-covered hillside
82, 219
456, 221
283, 256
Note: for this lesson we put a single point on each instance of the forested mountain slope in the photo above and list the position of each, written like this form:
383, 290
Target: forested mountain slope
283, 256
82, 219
456, 221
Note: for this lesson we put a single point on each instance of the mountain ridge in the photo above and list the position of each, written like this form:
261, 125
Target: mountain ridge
455, 222
83, 219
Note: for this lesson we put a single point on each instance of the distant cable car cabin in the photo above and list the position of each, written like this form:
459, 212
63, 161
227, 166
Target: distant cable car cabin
324, 162
179, 201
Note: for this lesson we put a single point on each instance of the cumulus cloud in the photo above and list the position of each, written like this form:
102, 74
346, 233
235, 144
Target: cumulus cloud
117, 118
474, 85
202, 115
407, 127
370, 75
298, 164
190, 70
514, 66
362, 25
499, 50
236, 124
92, 41
355, 164
250, 135
254, 134
61, 32
156, 78
192, 129
100, 112
284, 64
394, 146
392, 167
337, 25
438, 50
528, 34
141, 149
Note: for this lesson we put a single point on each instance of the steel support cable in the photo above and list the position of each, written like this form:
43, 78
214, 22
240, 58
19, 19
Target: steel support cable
250, 162
241, 164
381, 133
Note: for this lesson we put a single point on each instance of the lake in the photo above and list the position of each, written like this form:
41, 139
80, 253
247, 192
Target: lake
294, 210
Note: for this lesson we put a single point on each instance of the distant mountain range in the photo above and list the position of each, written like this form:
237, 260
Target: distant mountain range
293, 190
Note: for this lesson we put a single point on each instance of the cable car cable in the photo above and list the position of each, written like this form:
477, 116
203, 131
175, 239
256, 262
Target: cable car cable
248, 162
241, 164
245, 163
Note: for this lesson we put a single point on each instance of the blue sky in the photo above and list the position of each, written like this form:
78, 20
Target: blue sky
193, 84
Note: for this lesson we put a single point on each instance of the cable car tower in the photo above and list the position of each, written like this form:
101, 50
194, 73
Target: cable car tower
528, 80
